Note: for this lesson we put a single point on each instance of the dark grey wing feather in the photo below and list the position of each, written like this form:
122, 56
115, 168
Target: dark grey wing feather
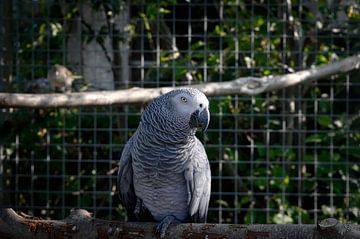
198, 177
134, 206
125, 180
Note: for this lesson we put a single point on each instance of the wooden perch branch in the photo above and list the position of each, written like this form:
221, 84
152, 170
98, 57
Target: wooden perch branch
81, 225
243, 85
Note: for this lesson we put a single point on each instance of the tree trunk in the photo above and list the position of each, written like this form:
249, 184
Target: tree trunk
90, 34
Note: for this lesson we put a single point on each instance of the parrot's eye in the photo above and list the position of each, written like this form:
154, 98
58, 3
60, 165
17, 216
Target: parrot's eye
183, 99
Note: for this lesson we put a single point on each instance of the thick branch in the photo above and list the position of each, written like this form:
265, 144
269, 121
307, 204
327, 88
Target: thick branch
244, 85
80, 225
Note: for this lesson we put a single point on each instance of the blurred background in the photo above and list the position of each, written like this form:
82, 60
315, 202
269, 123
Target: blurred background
289, 156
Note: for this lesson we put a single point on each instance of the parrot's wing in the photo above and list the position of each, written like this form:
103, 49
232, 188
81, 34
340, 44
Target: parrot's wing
135, 208
198, 178
125, 179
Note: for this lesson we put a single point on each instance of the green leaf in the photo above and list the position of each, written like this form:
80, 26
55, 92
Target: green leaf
266, 72
280, 218
261, 150
322, 59
260, 183
328, 210
324, 120
259, 22
222, 203
287, 180
151, 11
315, 138
219, 31
164, 10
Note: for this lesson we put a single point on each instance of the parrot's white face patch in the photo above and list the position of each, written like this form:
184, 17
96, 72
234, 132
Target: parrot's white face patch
185, 104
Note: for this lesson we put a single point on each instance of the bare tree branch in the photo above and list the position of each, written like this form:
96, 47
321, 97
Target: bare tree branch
243, 85
81, 225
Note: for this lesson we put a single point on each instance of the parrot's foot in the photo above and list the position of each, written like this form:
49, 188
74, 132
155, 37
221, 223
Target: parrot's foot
164, 224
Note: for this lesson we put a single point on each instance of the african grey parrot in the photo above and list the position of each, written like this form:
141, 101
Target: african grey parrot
164, 173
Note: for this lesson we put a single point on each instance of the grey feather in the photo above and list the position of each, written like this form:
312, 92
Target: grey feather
125, 179
164, 170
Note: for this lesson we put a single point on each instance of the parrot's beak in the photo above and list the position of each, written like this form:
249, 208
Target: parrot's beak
200, 119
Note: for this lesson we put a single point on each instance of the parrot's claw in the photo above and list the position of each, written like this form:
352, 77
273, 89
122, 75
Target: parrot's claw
161, 228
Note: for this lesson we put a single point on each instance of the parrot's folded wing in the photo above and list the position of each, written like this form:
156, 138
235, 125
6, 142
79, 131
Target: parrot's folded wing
200, 186
125, 180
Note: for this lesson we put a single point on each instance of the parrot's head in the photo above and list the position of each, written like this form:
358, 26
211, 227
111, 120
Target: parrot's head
190, 107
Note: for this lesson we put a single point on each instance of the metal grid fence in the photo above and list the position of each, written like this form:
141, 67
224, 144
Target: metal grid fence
290, 156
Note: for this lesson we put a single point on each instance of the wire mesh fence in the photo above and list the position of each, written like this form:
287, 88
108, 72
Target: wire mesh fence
290, 156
